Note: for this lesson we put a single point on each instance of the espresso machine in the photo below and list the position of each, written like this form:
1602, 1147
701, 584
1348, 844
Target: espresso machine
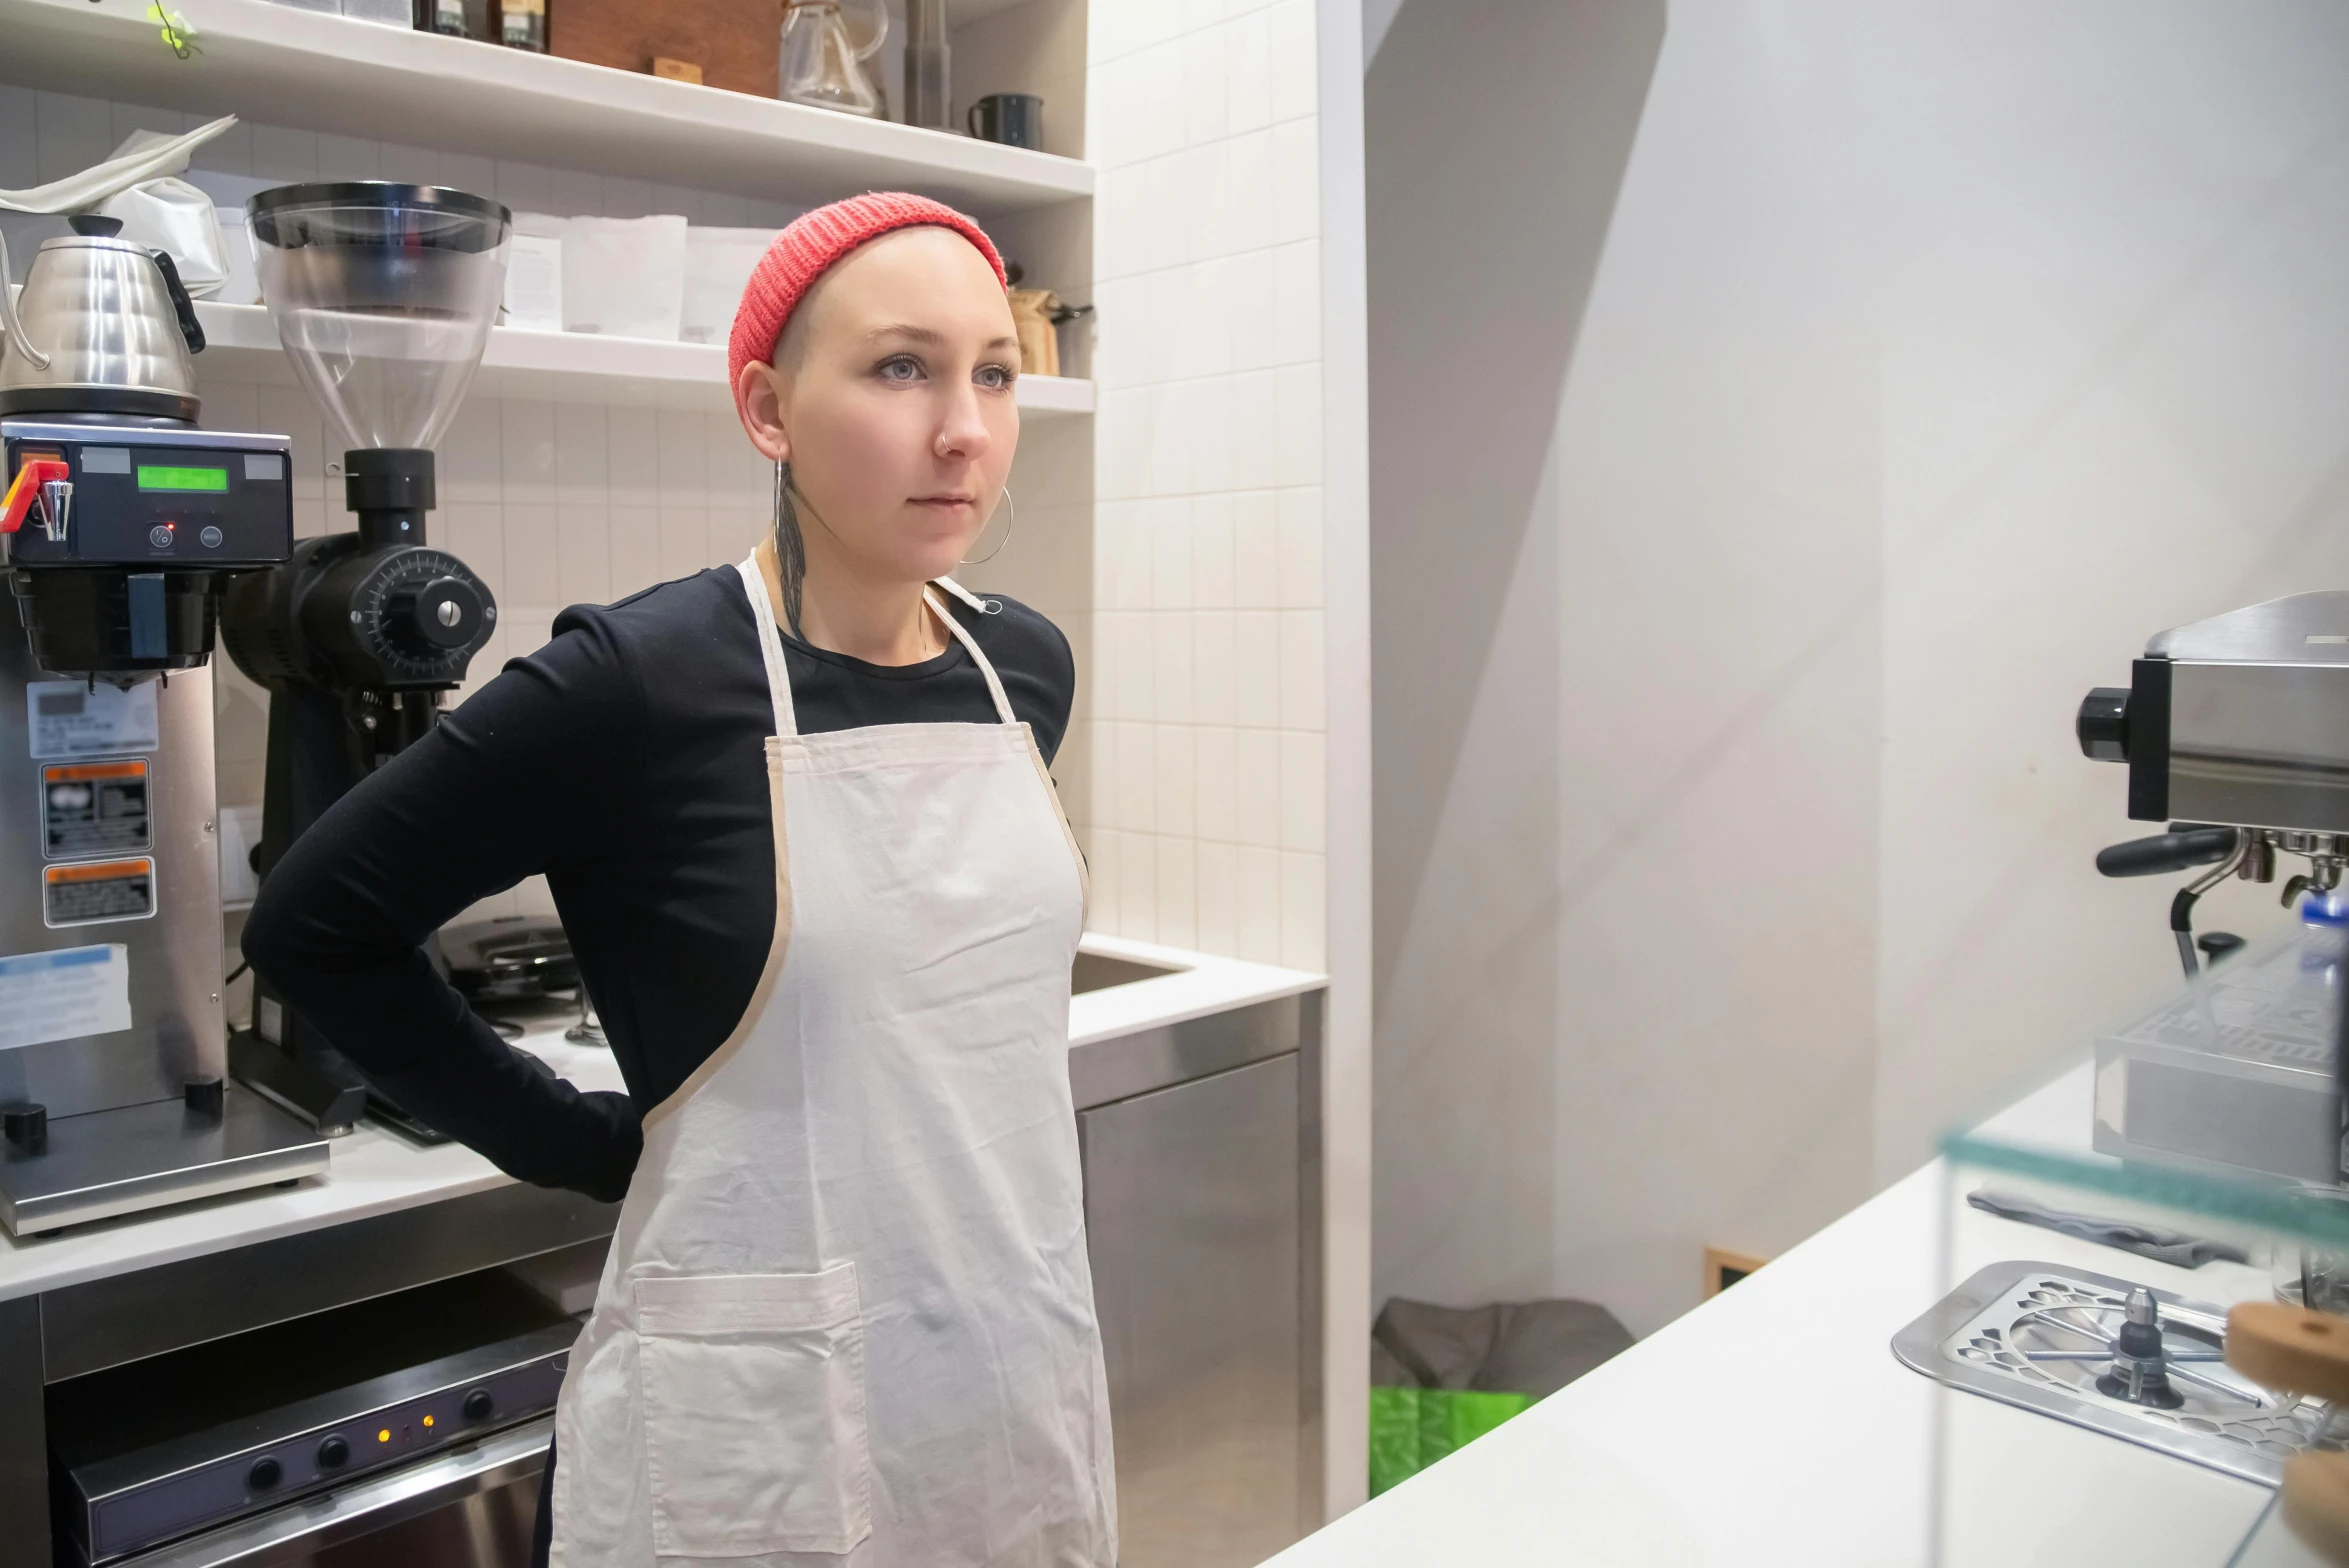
2235, 732
2237, 726
123, 526
383, 296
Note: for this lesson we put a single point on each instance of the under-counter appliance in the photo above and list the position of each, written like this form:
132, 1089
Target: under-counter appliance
286, 1433
123, 524
383, 295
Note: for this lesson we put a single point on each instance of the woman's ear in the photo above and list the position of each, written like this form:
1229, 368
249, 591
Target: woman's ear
758, 399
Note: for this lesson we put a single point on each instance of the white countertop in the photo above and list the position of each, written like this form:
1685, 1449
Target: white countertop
1773, 1425
375, 1171
1203, 984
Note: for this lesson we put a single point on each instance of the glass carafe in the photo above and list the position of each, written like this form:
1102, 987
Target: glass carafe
821, 64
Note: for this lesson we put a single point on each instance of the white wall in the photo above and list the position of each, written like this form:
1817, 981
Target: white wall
1219, 702
1881, 377
1207, 824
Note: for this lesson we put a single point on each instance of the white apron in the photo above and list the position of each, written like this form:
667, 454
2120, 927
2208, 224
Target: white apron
848, 1317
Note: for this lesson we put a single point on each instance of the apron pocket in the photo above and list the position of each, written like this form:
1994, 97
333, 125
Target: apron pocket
754, 1412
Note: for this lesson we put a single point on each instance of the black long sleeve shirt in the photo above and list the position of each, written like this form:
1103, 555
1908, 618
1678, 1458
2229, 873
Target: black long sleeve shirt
625, 760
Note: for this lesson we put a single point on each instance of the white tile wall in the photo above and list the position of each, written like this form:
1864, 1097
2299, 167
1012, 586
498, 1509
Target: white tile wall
1206, 828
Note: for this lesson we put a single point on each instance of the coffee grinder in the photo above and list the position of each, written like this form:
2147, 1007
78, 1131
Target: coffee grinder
122, 525
383, 295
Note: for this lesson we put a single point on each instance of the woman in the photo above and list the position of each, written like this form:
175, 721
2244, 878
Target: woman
799, 829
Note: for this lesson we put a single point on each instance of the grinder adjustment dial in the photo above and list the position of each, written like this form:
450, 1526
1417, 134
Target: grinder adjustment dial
418, 613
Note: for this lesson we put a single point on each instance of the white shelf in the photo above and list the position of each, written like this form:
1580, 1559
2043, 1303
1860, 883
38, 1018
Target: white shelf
569, 367
281, 66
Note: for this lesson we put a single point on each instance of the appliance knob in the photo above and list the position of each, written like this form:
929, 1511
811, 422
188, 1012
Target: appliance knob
266, 1473
25, 1125
2103, 725
435, 616
479, 1404
333, 1454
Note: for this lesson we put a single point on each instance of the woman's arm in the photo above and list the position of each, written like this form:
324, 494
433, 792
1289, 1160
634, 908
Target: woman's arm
517, 779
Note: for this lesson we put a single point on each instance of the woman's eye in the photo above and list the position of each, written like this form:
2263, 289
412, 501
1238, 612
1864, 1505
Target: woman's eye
995, 378
903, 368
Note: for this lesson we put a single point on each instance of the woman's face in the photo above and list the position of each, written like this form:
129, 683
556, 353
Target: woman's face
890, 395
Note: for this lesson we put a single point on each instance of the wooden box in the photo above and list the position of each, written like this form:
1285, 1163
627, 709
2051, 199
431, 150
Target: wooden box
733, 41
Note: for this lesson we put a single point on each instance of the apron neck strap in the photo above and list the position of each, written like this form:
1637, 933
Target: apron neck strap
969, 643
762, 608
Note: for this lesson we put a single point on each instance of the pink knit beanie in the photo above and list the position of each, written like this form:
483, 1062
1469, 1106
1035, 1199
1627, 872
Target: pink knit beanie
815, 240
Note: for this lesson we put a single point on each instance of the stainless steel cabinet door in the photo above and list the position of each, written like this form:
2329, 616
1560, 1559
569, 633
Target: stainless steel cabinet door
1193, 1220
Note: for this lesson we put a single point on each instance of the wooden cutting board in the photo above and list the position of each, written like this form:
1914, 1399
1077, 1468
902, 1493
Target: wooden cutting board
733, 41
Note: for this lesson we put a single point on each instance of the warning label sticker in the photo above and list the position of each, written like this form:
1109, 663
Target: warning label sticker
64, 995
98, 890
93, 808
89, 718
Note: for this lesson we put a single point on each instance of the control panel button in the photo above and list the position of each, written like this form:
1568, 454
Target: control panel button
478, 1405
211, 537
333, 1454
160, 536
266, 1473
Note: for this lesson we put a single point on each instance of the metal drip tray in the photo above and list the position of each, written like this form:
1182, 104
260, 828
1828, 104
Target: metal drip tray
2041, 1337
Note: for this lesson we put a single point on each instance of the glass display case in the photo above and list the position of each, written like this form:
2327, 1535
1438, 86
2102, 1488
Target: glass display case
2145, 1265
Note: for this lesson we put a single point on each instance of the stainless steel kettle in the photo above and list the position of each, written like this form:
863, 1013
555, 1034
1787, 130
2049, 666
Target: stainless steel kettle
104, 326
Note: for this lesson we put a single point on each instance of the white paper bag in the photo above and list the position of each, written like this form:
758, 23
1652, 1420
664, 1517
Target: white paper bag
624, 277
718, 262
534, 282
172, 215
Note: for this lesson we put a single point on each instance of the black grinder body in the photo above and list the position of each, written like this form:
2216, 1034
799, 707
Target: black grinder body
354, 638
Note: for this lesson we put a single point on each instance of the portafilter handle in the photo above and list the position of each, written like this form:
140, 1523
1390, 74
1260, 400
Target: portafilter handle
2149, 857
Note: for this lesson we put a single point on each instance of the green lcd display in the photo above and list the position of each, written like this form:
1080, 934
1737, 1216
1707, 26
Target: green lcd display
151, 478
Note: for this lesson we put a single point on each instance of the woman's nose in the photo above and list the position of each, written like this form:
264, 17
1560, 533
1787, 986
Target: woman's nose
962, 430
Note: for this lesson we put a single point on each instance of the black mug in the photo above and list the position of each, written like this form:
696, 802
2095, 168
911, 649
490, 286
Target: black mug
1014, 119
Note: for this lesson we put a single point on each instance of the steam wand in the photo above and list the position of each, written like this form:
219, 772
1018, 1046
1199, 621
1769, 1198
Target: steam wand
2182, 906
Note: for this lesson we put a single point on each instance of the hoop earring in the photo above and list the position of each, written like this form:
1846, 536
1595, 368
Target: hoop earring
1009, 524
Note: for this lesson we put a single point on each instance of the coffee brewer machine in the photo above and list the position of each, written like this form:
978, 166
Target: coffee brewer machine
383, 296
123, 525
